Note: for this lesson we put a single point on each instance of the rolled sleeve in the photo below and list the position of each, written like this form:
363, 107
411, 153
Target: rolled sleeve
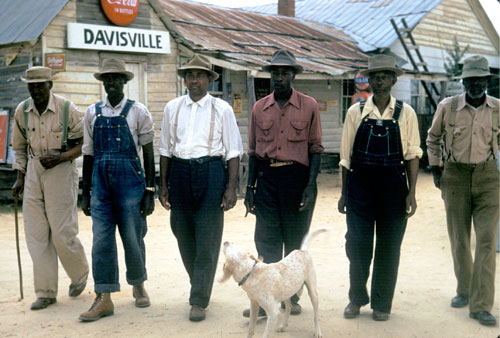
348, 134
145, 129
19, 143
165, 133
413, 149
75, 123
435, 135
88, 132
231, 137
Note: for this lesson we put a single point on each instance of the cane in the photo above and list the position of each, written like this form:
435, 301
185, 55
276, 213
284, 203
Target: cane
17, 246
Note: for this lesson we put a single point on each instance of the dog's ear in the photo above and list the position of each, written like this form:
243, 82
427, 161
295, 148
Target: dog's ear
260, 259
227, 273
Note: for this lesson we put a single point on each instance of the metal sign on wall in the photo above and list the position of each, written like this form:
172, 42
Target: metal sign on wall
97, 37
120, 12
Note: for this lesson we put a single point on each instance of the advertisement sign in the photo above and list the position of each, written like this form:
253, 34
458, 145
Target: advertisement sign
361, 82
362, 96
120, 12
56, 61
97, 37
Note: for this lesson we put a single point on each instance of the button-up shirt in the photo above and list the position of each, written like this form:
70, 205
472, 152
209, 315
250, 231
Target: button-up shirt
408, 129
290, 133
45, 130
473, 138
193, 129
139, 121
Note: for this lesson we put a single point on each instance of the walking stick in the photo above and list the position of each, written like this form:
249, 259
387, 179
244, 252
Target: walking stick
17, 246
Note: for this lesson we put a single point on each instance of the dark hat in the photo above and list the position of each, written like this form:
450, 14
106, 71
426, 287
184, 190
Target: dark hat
198, 62
381, 62
475, 66
283, 58
38, 74
113, 66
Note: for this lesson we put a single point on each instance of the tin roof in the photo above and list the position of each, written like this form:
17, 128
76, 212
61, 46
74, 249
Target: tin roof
249, 39
367, 21
25, 20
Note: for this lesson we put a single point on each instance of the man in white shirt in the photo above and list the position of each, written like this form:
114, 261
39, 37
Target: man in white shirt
199, 133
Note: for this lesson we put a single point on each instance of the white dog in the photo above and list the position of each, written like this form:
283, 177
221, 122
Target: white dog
268, 285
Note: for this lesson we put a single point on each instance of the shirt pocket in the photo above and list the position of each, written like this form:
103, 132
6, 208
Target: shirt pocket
54, 140
263, 131
298, 132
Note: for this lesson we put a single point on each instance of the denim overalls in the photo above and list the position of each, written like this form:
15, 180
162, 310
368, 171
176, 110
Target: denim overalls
117, 189
376, 193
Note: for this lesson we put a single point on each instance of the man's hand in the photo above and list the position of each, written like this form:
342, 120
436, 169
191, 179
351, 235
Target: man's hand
411, 205
18, 187
308, 196
437, 171
148, 203
86, 204
50, 161
249, 201
163, 197
228, 199
341, 204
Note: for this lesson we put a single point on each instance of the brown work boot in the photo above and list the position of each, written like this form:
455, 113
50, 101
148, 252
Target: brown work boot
102, 307
141, 296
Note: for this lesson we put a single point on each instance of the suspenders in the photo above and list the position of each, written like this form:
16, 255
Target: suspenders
65, 116
212, 124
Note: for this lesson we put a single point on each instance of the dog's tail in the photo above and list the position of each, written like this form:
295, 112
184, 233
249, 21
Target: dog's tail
310, 235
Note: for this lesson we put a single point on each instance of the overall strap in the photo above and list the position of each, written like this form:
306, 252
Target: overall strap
494, 120
127, 107
450, 125
26, 103
65, 117
98, 109
212, 126
397, 110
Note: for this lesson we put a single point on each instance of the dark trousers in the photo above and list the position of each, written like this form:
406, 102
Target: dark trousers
375, 206
197, 220
279, 224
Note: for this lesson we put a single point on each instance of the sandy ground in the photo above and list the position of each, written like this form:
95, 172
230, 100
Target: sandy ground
421, 305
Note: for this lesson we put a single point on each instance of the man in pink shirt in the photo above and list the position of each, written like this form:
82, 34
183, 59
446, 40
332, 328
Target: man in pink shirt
284, 156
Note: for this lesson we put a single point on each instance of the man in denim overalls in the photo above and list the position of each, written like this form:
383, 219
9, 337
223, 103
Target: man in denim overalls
114, 131
379, 158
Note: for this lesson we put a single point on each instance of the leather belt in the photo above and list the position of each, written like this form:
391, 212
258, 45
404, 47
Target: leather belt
198, 160
277, 163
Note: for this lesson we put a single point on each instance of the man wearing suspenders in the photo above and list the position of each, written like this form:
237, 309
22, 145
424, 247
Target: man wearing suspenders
464, 135
47, 137
199, 135
379, 154
122, 192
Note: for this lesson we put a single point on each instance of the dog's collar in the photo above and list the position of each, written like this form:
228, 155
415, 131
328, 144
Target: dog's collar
241, 282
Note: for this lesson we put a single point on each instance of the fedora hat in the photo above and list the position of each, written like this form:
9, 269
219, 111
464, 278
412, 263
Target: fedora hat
475, 66
381, 62
38, 74
113, 66
283, 58
198, 62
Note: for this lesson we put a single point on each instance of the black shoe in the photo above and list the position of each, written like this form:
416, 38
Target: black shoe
262, 313
76, 290
351, 310
484, 317
380, 316
42, 303
459, 301
197, 313
295, 310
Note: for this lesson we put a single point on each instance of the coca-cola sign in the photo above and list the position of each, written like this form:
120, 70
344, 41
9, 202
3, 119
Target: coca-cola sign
120, 12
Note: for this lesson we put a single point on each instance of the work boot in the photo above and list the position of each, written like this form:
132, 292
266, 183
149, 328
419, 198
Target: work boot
102, 307
261, 313
197, 313
141, 296
76, 289
41, 303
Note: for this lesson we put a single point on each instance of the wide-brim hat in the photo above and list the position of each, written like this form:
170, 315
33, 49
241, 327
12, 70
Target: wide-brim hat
475, 66
113, 66
198, 62
283, 58
38, 74
380, 63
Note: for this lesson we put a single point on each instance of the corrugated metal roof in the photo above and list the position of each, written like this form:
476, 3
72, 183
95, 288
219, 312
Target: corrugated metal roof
367, 21
25, 20
241, 36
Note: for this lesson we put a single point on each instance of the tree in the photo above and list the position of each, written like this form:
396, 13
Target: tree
452, 65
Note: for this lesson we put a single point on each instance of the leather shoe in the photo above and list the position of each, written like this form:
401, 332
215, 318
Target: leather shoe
262, 313
484, 317
380, 316
42, 303
197, 313
459, 301
76, 289
351, 310
141, 296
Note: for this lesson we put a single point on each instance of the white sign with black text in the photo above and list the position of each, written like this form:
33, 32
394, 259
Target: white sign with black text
97, 37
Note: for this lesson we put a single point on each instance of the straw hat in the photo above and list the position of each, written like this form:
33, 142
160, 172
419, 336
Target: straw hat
381, 62
198, 62
38, 74
475, 66
113, 66
283, 58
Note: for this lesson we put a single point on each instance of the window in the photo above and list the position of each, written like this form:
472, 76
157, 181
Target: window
215, 88
348, 90
419, 100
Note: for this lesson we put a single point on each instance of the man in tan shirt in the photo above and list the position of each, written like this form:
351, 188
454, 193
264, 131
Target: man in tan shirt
48, 176
464, 135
